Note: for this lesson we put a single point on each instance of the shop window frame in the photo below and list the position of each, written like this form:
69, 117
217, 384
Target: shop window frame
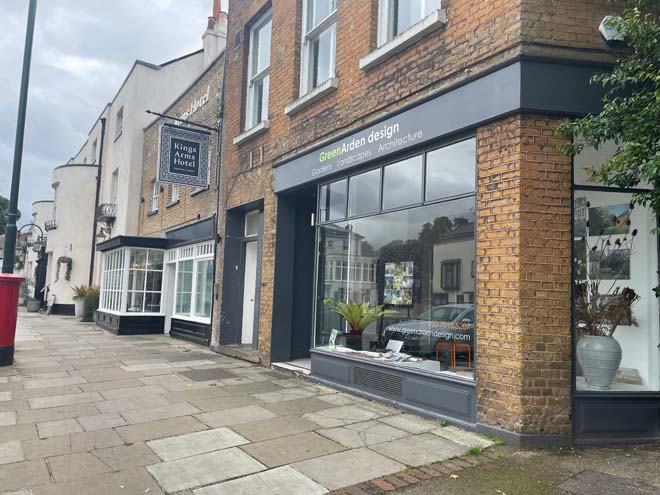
196, 253
592, 393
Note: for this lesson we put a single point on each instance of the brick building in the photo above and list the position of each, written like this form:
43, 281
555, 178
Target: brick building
161, 280
406, 155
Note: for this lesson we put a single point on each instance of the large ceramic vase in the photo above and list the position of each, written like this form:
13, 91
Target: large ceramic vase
79, 306
600, 358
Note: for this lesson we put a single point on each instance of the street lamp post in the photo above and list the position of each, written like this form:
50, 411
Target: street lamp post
10, 229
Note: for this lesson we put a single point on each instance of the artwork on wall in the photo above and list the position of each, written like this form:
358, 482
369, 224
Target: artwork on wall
610, 264
609, 220
399, 283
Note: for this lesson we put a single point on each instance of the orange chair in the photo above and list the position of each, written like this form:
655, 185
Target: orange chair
452, 352
463, 347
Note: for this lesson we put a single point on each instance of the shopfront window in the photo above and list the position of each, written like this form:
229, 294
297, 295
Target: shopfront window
418, 262
610, 260
193, 281
131, 281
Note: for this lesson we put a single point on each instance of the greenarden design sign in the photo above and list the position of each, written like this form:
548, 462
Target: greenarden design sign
184, 156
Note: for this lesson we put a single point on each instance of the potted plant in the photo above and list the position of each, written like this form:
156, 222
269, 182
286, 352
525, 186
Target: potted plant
79, 293
92, 297
602, 305
357, 317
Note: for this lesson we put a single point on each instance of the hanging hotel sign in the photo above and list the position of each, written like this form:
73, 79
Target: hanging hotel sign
184, 156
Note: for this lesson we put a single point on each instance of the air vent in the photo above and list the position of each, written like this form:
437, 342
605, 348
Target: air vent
377, 381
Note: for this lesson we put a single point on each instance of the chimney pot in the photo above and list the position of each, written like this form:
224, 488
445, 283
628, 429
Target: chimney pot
211, 23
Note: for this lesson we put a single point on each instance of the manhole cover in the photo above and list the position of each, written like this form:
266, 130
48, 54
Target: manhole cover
597, 483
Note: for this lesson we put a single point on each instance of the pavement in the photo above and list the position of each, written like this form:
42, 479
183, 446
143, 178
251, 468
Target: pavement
84, 411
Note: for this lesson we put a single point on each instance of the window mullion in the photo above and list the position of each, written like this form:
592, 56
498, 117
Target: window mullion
124, 286
193, 294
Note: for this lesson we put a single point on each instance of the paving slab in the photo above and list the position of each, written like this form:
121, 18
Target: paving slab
420, 449
92, 440
340, 416
6, 396
126, 456
132, 403
56, 428
410, 423
11, 452
202, 442
155, 413
347, 468
224, 402
284, 395
160, 429
197, 393
73, 466
21, 475
57, 413
132, 392
296, 407
17, 432
206, 375
204, 469
279, 481
464, 437
239, 415
29, 384
64, 400
128, 482
364, 434
101, 421
290, 449
267, 429
8, 418
48, 447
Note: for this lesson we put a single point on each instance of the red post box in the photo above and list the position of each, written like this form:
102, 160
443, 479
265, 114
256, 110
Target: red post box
10, 286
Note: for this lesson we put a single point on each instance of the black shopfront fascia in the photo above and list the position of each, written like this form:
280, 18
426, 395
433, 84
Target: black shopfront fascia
610, 417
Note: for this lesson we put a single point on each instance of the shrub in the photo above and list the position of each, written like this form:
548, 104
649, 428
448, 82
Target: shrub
80, 290
92, 296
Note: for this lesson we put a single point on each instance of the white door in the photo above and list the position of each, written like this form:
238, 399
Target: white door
249, 291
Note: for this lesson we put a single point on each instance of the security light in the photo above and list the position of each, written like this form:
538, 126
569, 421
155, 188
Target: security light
610, 33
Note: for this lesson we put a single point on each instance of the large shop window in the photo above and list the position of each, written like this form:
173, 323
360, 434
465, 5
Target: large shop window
131, 281
416, 258
609, 260
193, 282
319, 39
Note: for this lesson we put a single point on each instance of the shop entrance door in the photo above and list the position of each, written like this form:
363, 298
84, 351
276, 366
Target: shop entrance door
249, 291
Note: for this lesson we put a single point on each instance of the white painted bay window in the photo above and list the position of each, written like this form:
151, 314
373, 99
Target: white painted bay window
397, 16
193, 290
258, 72
319, 43
132, 281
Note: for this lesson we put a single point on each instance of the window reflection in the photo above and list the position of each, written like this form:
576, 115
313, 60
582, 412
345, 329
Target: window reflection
450, 171
402, 184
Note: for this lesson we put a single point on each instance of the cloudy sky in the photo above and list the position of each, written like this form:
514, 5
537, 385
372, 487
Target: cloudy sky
82, 51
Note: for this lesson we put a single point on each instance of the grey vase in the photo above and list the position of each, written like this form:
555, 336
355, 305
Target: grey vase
600, 358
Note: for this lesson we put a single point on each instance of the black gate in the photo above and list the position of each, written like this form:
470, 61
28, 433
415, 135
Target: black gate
40, 276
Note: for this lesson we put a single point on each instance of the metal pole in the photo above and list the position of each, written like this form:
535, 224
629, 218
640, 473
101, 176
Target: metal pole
12, 217
96, 203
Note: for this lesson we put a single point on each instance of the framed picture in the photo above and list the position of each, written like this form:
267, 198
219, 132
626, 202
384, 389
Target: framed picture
609, 220
399, 282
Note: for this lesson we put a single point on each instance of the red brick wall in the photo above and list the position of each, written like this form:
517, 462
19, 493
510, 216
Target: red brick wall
524, 277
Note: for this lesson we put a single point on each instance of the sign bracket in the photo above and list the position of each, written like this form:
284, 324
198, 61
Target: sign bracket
190, 122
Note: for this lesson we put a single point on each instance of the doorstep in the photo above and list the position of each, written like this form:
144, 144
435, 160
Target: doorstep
244, 352
299, 367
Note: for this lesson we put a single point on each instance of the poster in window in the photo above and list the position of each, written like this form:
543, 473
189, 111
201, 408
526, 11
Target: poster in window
399, 283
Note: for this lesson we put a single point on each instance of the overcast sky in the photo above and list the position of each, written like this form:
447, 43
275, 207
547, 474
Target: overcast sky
82, 51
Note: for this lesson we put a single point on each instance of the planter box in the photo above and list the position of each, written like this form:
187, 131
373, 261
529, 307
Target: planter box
33, 306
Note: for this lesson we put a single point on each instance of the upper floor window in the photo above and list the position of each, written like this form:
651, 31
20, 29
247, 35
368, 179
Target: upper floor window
119, 124
396, 16
175, 193
258, 72
94, 148
155, 191
114, 186
319, 41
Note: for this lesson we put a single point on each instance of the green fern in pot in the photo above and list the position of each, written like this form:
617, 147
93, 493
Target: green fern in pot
358, 316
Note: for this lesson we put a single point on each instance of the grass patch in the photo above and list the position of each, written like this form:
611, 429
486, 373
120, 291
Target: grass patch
495, 440
475, 450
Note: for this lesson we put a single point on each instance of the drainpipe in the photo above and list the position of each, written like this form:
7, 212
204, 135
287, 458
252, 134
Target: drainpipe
218, 191
96, 202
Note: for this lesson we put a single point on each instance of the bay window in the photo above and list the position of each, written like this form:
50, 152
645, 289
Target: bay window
319, 41
397, 16
258, 72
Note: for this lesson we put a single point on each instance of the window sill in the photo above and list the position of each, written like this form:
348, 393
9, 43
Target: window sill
198, 191
430, 23
313, 96
172, 203
258, 129
152, 213
118, 135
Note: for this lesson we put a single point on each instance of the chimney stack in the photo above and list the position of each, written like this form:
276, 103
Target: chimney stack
215, 37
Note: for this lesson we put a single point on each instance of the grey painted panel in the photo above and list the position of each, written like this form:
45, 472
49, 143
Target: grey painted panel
482, 99
331, 369
613, 417
449, 398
